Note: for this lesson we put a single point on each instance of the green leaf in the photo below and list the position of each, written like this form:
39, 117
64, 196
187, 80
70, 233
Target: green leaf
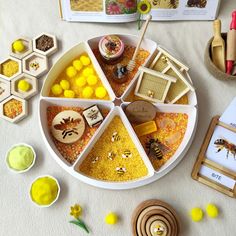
80, 223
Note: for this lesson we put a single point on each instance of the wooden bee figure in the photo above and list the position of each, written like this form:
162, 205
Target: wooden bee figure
68, 126
115, 137
120, 170
127, 153
224, 144
156, 149
94, 160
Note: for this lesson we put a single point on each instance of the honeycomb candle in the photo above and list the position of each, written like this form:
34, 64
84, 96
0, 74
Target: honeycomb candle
44, 191
20, 158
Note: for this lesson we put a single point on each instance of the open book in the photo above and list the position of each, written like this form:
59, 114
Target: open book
116, 11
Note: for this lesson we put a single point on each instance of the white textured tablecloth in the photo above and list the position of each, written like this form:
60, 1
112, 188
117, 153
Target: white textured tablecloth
18, 217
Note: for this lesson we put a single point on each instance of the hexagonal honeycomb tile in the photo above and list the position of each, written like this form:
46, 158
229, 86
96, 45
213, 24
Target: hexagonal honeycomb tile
45, 44
33, 86
28, 48
5, 89
35, 64
13, 109
10, 68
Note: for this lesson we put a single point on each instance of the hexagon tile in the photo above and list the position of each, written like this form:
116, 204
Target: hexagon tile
5, 89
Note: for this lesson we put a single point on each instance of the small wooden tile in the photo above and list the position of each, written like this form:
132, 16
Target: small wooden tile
93, 115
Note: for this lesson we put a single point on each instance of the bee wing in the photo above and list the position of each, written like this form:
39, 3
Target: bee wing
59, 126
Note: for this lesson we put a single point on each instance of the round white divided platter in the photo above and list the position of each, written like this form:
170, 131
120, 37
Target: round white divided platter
46, 101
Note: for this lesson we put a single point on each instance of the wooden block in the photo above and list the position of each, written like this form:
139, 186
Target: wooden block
27, 50
145, 128
152, 85
35, 64
140, 111
93, 115
68, 126
45, 44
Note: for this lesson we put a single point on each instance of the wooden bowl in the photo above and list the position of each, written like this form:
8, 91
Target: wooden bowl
218, 74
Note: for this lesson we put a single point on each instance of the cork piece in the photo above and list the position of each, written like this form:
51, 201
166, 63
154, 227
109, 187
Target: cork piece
145, 128
153, 218
140, 111
93, 115
68, 126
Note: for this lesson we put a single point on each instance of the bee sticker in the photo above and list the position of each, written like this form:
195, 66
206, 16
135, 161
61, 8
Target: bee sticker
120, 170
115, 137
68, 126
126, 154
156, 149
224, 144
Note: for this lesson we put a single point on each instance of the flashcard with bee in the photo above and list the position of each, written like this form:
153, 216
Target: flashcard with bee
93, 115
222, 148
68, 126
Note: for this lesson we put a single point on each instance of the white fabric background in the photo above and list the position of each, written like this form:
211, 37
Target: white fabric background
18, 217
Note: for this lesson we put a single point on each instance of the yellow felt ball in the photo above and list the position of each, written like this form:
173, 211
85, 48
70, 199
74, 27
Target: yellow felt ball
196, 214
69, 93
88, 71
18, 46
87, 92
85, 60
56, 89
92, 79
77, 64
71, 71
23, 85
65, 84
111, 218
81, 81
100, 92
212, 210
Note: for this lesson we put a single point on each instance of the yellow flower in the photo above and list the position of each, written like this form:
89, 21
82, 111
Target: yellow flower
76, 211
144, 7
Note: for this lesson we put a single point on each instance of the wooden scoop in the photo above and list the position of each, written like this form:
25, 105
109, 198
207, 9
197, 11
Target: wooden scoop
218, 47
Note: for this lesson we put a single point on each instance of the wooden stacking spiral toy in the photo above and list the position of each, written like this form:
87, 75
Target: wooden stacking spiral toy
154, 218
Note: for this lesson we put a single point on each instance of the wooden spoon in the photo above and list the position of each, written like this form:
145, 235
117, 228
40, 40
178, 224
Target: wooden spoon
218, 47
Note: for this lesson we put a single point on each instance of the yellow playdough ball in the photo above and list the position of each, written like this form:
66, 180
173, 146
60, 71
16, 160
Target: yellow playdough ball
196, 214
88, 71
111, 218
69, 93
23, 85
71, 71
18, 46
77, 64
100, 92
56, 89
87, 92
65, 84
85, 60
212, 210
81, 81
92, 79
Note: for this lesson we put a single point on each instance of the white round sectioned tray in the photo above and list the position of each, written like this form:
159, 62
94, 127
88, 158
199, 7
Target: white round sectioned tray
114, 110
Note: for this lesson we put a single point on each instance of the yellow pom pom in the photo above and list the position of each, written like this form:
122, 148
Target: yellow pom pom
23, 85
212, 210
69, 93
65, 84
56, 89
87, 92
100, 92
81, 81
77, 64
85, 60
71, 71
196, 214
111, 218
92, 79
88, 71
18, 46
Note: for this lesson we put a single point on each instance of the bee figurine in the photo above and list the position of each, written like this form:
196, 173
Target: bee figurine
34, 65
120, 170
156, 149
127, 153
111, 155
95, 159
230, 147
115, 137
